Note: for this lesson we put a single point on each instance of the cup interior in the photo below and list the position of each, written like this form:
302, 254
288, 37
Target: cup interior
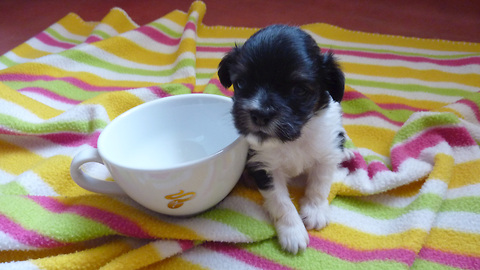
170, 132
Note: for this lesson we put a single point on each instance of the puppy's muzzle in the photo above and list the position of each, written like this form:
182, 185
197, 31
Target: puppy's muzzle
261, 117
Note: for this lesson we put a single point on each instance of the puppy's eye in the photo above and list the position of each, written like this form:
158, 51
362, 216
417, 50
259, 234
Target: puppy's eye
300, 91
239, 84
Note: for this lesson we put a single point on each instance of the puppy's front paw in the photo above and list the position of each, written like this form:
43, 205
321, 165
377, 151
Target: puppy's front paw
315, 216
293, 237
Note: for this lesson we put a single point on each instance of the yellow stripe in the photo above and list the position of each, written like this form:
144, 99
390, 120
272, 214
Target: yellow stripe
88, 259
75, 25
116, 103
27, 51
135, 259
142, 55
39, 109
465, 174
374, 138
152, 225
174, 263
55, 171
15, 159
411, 239
339, 34
119, 21
404, 72
454, 241
443, 168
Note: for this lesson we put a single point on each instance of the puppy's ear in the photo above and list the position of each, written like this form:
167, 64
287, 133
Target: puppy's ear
225, 65
333, 78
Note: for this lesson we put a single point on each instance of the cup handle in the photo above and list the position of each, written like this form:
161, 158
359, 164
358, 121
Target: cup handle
91, 183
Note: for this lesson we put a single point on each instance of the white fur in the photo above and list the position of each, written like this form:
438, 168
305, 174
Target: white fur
317, 153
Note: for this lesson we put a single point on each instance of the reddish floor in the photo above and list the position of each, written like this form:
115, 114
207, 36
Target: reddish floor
444, 19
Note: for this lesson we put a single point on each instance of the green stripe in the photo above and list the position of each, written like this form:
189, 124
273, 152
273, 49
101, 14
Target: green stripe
58, 36
212, 89
421, 264
453, 92
51, 127
59, 87
12, 188
423, 123
363, 105
255, 229
64, 227
428, 201
84, 58
313, 259
464, 204
101, 34
166, 30
6, 61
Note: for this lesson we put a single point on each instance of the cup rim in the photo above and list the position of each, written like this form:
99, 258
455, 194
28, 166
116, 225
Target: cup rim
176, 166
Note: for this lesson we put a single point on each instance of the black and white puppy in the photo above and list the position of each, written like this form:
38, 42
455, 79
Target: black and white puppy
286, 104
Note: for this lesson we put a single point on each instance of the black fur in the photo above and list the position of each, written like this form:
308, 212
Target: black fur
283, 68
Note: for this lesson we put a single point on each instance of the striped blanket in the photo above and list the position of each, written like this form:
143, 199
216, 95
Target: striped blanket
410, 198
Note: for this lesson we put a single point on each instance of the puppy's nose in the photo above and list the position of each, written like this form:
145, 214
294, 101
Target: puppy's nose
261, 117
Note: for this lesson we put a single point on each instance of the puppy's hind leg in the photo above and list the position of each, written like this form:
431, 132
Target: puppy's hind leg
291, 232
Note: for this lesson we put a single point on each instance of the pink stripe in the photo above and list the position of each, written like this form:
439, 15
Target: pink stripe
473, 60
49, 94
45, 38
473, 106
454, 136
27, 237
213, 49
345, 253
349, 95
92, 39
356, 163
375, 167
374, 114
71, 80
186, 244
243, 255
65, 138
450, 259
116, 222
158, 36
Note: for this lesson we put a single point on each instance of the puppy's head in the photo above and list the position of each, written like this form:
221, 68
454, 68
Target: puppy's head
280, 79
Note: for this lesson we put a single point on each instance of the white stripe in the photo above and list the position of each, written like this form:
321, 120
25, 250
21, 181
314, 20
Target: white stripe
16, 58
34, 185
166, 248
8, 243
6, 177
420, 219
38, 45
20, 265
466, 111
466, 154
245, 206
173, 26
379, 63
107, 29
213, 230
222, 41
53, 103
215, 260
148, 43
388, 48
458, 221
465, 191
17, 111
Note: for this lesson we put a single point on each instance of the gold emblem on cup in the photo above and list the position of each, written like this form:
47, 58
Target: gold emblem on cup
179, 198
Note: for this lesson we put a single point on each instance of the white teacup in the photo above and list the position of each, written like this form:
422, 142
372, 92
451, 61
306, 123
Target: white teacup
177, 155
